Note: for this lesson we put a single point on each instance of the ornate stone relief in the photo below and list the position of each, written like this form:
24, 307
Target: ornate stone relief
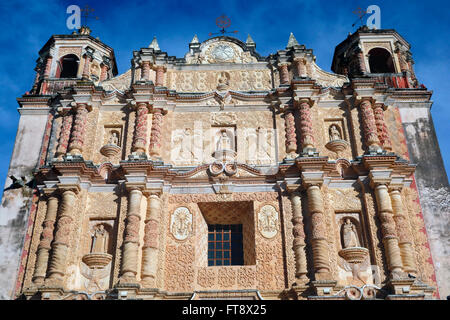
268, 221
120, 83
324, 78
181, 223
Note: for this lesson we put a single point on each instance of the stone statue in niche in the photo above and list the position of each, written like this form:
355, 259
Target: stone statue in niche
100, 240
223, 81
335, 133
349, 235
113, 138
224, 141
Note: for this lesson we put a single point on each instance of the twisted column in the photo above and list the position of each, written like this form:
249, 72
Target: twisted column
300, 65
390, 240
150, 247
79, 128
131, 240
369, 125
404, 237
383, 135
140, 130
306, 130
159, 81
44, 247
61, 244
291, 137
145, 70
319, 229
64, 135
284, 73
86, 71
155, 137
299, 238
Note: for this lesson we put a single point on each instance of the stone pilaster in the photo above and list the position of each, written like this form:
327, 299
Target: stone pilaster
156, 135
299, 237
42, 255
369, 125
284, 72
86, 68
388, 229
64, 134
79, 128
159, 81
300, 65
306, 130
34, 89
104, 72
383, 134
404, 237
291, 136
140, 129
319, 228
151, 245
130, 249
48, 66
145, 70
64, 226
361, 62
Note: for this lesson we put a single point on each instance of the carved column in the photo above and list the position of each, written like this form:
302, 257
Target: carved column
79, 128
369, 125
60, 246
145, 70
150, 247
361, 62
131, 240
390, 240
383, 135
291, 136
86, 71
319, 230
159, 81
155, 137
104, 72
64, 134
404, 236
284, 72
140, 129
299, 238
44, 247
48, 66
306, 130
300, 65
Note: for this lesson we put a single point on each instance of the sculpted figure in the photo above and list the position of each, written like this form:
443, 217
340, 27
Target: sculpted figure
224, 142
334, 133
99, 240
113, 139
350, 236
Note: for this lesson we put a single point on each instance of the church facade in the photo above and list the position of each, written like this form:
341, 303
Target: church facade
220, 175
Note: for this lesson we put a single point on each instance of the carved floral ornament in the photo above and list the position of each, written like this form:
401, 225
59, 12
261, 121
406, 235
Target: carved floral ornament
268, 221
181, 223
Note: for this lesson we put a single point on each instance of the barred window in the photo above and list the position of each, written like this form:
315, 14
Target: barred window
225, 246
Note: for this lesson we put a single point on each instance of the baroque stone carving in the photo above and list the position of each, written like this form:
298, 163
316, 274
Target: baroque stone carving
181, 223
268, 221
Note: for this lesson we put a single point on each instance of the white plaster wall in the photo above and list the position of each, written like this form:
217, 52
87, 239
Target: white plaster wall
16, 203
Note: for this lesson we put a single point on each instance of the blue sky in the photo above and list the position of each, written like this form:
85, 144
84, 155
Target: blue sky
130, 25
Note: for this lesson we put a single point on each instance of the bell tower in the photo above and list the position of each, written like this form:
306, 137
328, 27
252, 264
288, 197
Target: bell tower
376, 53
67, 58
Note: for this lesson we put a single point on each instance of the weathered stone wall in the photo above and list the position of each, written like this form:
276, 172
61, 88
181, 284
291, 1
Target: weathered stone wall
16, 203
432, 184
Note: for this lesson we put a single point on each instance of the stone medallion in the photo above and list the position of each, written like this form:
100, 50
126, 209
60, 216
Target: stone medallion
181, 223
268, 221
